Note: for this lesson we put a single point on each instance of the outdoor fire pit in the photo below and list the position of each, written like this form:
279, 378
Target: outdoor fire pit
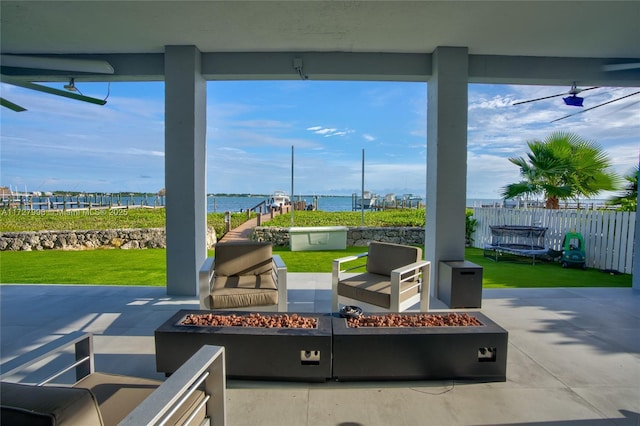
419, 347
314, 347
258, 346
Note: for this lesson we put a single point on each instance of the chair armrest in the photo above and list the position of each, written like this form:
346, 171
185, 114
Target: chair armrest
338, 262
407, 272
278, 263
280, 277
205, 276
84, 362
412, 267
206, 366
336, 270
336, 265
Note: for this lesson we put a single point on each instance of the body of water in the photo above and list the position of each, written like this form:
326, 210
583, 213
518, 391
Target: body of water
220, 204
327, 203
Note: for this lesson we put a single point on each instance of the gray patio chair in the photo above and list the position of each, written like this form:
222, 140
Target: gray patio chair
243, 275
194, 394
395, 279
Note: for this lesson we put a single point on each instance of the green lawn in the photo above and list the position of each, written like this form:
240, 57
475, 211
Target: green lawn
108, 267
148, 267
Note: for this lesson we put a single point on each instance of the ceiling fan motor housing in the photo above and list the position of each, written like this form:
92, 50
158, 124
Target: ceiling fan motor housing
573, 100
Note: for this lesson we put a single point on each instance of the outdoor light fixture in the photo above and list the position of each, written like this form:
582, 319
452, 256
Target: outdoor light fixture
573, 100
297, 65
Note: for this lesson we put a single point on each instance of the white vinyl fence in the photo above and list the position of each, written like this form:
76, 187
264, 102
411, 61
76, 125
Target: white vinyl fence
608, 235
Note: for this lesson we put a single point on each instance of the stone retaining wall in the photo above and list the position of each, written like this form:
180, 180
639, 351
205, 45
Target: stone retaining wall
85, 240
155, 238
356, 236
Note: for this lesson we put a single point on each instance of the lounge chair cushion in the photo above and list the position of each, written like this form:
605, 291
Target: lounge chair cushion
374, 289
385, 257
242, 258
243, 290
117, 396
47, 405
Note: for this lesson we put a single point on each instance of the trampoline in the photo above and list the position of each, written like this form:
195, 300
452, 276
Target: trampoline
516, 240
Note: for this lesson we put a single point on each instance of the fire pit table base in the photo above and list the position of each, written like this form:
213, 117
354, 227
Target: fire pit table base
251, 352
420, 353
333, 350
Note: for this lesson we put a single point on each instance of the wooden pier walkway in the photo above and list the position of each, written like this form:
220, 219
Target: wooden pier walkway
243, 231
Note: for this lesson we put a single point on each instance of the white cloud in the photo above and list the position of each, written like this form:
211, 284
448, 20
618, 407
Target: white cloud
497, 102
325, 131
328, 132
142, 152
368, 137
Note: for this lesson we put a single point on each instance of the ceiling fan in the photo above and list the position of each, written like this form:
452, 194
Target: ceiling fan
74, 66
621, 67
574, 100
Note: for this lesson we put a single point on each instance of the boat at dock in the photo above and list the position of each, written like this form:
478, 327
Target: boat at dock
279, 199
367, 201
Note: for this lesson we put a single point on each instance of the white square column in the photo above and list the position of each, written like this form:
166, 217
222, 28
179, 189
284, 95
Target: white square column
185, 168
447, 103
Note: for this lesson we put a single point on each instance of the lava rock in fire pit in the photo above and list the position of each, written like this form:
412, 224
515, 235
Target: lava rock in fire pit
417, 320
251, 320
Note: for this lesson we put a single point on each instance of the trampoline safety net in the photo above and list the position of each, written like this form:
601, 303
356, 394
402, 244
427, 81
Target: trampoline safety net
517, 240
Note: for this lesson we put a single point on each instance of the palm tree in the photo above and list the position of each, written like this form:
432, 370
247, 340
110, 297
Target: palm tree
628, 201
563, 166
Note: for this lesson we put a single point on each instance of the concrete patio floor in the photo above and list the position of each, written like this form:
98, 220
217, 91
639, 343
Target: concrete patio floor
574, 357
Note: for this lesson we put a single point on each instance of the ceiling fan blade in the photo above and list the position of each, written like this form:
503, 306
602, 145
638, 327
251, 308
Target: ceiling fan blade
59, 64
597, 106
8, 104
621, 67
51, 90
540, 99
584, 90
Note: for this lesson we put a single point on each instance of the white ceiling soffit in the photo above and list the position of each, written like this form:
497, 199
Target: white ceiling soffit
595, 29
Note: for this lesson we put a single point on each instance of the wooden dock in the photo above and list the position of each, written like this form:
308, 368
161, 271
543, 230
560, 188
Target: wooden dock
243, 231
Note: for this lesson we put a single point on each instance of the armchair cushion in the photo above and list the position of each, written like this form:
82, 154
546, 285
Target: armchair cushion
243, 290
374, 289
385, 257
118, 395
242, 258
47, 405
97, 399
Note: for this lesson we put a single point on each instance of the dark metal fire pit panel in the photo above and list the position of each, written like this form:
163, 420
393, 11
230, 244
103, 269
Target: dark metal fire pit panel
420, 353
251, 352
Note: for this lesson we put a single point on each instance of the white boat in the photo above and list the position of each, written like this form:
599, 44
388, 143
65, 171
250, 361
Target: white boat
369, 201
278, 199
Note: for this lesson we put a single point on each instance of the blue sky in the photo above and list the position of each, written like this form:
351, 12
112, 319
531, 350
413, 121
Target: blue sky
60, 144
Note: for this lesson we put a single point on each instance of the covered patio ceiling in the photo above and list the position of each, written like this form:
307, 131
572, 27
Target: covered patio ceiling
496, 33
597, 29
